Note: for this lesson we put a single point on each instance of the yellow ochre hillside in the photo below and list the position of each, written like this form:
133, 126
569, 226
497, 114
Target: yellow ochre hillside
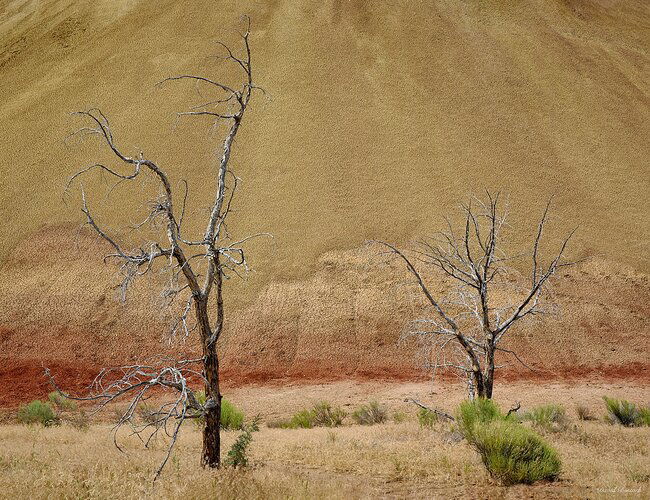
379, 118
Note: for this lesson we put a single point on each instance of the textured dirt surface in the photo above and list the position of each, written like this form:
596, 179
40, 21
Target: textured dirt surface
382, 117
344, 322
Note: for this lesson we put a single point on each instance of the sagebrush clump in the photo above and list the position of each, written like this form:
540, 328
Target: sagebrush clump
620, 411
551, 417
479, 411
510, 452
325, 415
370, 414
37, 412
584, 413
515, 454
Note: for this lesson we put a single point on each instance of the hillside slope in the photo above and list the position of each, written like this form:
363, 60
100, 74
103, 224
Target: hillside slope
380, 118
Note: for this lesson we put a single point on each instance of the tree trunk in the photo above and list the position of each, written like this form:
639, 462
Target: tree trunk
488, 377
211, 454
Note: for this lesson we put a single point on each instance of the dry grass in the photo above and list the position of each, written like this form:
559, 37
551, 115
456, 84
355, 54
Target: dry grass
351, 461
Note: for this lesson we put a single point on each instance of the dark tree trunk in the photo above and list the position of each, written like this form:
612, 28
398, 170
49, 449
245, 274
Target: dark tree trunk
488, 377
211, 454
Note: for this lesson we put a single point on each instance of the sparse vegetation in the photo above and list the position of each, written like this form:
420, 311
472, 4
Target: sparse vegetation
620, 411
370, 414
427, 418
232, 418
321, 415
510, 452
59, 401
327, 416
479, 411
237, 456
399, 417
513, 453
584, 413
37, 412
550, 418
79, 420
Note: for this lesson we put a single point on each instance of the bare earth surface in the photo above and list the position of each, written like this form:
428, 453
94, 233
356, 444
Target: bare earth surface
382, 117
391, 460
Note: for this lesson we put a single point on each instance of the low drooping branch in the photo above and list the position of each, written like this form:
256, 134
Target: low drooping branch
432, 410
138, 384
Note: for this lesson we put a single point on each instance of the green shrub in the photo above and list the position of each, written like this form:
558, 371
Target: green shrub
59, 401
237, 455
232, 418
324, 415
321, 415
550, 417
427, 418
479, 411
644, 417
620, 411
304, 419
37, 412
513, 453
369, 414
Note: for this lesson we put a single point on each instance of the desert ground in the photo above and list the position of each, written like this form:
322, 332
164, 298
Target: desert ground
377, 120
389, 460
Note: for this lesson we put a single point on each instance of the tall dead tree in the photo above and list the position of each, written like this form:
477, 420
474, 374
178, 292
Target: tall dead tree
195, 267
467, 325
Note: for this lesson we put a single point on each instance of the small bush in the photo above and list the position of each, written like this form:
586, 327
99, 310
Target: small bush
304, 419
620, 411
324, 415
547, 417
59, 401
369, 414
479, 411
37, 412
427, 418
584, 413
513, 453
237, 455
232, 418
644, 417
321, 415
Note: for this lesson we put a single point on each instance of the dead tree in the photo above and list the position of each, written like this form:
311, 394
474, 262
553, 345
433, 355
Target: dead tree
467, 325
195, 266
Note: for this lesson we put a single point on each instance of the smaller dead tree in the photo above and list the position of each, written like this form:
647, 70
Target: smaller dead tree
467, 326
194, 265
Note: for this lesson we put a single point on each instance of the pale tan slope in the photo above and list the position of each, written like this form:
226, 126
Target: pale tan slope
382, 117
